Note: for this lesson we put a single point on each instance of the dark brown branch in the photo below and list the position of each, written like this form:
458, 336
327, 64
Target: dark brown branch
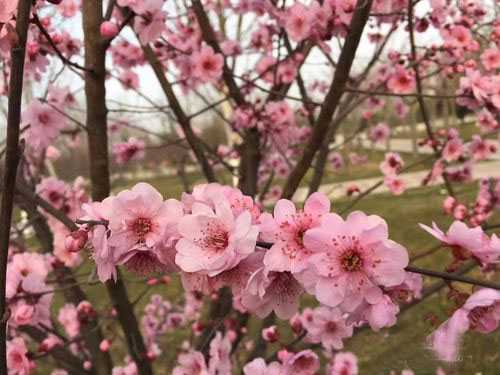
96, 122
410, 95
420, 98
12, 157
332, 98
250, 149
183, 120
452, 277
61, 355
65, 279
51, 42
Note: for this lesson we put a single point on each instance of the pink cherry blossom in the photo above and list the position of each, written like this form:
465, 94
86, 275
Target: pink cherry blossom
207, 65
392, 164
269, 290
133, 149
105, 256
481, 149
458, 36
68, 318
491, 59
380, 314
396, 185
138, 222
328, 327
220, 351
191, 363
401, 81
481, 312
286, 231
298, 22
45, 124
129, 79
17, 359
352, 260
336, 160
140, 217
453, 149
305, 362
151, 23
214, 240
259, 367
7, 10
343, 363
464, 241
379, 133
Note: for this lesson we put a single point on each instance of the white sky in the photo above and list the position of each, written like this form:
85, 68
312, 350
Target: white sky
312, 69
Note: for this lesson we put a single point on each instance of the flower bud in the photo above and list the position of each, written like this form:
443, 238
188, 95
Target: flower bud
75, 241
270, 334
108, 29
104, 345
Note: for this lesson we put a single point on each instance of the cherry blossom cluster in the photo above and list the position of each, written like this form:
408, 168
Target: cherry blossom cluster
132, 149
466, 243
218, 237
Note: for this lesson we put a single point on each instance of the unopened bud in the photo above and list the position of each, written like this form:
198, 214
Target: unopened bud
76, 240
108, 29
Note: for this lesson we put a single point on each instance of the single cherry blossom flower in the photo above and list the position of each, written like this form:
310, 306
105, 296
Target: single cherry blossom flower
353, 260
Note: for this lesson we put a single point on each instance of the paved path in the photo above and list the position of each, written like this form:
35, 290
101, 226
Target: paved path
336, 190
339, 189
413, 179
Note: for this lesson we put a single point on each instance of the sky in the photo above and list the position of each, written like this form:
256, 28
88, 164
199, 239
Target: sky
313, 69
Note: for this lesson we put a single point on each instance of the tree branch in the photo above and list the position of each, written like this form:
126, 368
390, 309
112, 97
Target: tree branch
12, 157
96, 122
332, 98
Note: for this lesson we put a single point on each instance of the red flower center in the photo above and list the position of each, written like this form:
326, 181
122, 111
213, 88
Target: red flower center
141, 227
351, 261
43, 118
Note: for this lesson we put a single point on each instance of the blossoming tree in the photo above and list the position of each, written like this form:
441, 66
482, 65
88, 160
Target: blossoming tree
236, 275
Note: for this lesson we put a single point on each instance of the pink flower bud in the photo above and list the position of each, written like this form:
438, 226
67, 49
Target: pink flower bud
152, 281
460, 212
104, 345
232, 335
449, 204
270, 334
87, 365
108, 29
151, 356
85, 310
75, 241
296, 324
284, 355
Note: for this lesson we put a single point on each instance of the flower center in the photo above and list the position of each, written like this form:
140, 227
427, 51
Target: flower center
477, 313
216, 238
43, 118
141, 227
331, 326
299, 237
208, 65
351, 261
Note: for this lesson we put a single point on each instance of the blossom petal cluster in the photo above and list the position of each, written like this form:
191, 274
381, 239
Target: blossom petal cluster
217, 237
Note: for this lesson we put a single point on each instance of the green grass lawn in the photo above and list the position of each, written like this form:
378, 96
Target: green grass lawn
402, 346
